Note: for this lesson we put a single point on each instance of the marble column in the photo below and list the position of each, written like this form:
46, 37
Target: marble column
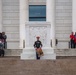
50, 12
74, 15
23, 19
0, 15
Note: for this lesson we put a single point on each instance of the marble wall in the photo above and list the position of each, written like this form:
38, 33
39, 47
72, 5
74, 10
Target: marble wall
63, 22
10, 18
37, 2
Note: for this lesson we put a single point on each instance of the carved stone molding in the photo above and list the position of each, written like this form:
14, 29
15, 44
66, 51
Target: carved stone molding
37, 29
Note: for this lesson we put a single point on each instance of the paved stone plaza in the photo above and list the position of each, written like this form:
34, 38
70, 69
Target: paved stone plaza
61, 66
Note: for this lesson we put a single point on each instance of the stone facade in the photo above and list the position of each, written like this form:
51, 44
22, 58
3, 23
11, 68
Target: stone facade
63, 22
11, 21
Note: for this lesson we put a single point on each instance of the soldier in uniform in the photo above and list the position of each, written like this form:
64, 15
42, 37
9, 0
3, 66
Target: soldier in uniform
37, 45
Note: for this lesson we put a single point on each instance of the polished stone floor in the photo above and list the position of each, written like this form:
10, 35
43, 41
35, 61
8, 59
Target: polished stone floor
15, 66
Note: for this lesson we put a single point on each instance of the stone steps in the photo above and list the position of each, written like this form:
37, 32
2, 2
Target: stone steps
59, 52
30, 53
45, 50
13, 52
65, 52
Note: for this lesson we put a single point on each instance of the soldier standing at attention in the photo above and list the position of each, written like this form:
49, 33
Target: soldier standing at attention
37, 45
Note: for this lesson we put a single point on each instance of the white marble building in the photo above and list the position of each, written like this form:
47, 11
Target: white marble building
60, 22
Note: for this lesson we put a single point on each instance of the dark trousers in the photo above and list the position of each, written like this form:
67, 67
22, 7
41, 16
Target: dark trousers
2, 53
72, 43
37, 56
5, 45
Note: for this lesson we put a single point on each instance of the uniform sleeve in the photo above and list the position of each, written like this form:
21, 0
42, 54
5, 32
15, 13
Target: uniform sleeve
35, 44
5, 36
41, 43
